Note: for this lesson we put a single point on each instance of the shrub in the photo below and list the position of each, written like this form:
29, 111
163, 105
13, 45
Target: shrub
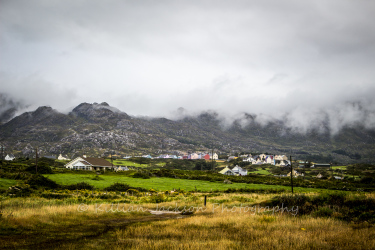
19, 191
55, 196
367, 180
141, 175
323, 212
43, 168
302, 201
121, 187
40, 181
133, 191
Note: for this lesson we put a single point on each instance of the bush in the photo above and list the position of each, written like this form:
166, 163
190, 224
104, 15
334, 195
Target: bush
367, 180
120, 187
40, 181
323, 212
141, 175
43, 168
19, 191
55, 196
133, 191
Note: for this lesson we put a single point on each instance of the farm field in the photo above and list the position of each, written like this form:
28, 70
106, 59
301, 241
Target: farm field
161, 184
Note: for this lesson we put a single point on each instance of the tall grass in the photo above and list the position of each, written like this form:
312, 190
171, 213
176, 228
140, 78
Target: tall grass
242, 231
221, 225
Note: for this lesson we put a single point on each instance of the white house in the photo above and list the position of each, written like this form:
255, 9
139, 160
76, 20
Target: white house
269, 160
88, 163
239, 171
263, 157
122, 168
215, 157
194, 156
9, 157
61, 157
295, 174
338, 177
227, 171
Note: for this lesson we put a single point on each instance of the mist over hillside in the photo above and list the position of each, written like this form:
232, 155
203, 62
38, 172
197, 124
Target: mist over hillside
99, 128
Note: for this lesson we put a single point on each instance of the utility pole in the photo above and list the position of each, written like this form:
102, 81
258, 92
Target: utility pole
330, 167
36, 160
212, 157
2, 154
291, 172
112, 161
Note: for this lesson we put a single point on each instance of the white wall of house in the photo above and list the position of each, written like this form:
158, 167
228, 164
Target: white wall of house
194, 156
9, 158
73, 162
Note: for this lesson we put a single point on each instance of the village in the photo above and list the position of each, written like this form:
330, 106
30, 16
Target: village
282, 161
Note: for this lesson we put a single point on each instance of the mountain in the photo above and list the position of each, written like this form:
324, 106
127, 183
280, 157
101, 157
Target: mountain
97, 129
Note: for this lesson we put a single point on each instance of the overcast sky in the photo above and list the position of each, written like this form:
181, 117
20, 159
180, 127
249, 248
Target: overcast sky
306, 61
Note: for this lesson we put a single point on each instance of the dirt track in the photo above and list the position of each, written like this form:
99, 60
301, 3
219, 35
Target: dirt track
52, 238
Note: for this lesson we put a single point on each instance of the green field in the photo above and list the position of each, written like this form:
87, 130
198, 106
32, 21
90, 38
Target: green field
6, 183
162, 183
339, 167
133, 164
261, 171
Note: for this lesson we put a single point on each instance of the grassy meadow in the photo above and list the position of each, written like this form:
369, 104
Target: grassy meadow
137, 209
160, 184
227, 222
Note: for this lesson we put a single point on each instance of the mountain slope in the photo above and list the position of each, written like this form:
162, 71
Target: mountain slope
99, 128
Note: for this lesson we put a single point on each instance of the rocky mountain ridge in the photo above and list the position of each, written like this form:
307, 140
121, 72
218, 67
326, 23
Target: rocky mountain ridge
97, 129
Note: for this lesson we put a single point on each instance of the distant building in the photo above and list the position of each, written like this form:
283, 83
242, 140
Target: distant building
61, 157
227, 171
231, 158
206, 157
281, 160
122, 168
9, 157
50, 157
89, 163
215, 156
321, 165
239, 171
194, 156
295, 174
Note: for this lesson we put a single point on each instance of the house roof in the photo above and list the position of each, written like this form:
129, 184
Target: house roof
98, 162
226, 169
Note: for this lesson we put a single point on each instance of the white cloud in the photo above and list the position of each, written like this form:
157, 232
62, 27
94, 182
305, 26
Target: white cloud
302, 58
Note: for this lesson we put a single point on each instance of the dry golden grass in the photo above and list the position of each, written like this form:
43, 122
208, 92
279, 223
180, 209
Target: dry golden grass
106, 226
244, 231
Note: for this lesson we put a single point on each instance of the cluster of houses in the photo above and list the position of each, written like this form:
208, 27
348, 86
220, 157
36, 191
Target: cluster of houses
193, 156
277, 160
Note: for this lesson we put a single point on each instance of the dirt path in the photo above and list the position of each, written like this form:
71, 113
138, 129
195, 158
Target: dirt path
52, 238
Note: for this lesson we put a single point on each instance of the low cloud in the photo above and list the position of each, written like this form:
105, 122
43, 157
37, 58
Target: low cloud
303, 63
